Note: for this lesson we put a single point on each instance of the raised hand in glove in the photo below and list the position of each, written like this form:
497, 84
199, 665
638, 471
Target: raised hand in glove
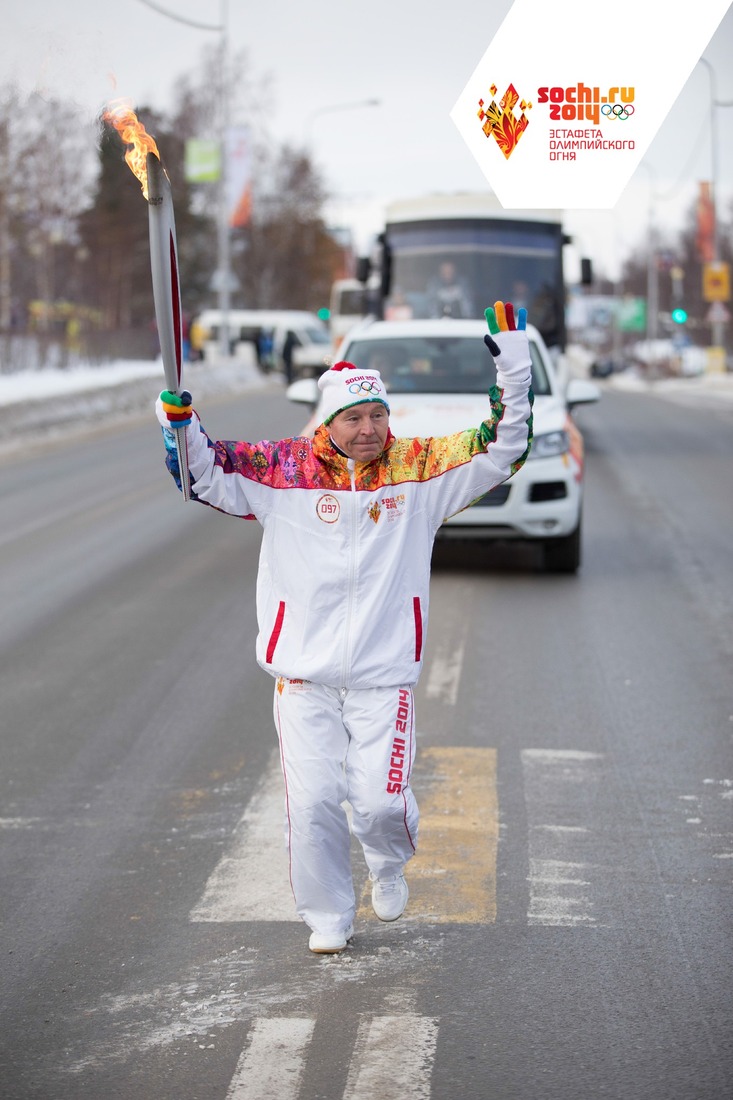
174, 410
506, 340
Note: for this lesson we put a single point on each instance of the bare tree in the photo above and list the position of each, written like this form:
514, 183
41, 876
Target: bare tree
283, 258
46, 173
286, 258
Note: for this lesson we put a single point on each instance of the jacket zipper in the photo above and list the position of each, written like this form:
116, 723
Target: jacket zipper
346, 663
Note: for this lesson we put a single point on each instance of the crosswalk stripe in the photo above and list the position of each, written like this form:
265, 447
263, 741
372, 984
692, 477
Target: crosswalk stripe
452, 877
251, 880
393, 1056
273, 1061
560, 790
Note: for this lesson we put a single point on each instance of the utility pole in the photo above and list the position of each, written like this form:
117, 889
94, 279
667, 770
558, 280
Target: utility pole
717, 324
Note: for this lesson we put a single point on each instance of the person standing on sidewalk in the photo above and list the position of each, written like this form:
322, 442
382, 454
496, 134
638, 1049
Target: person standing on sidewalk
349, 519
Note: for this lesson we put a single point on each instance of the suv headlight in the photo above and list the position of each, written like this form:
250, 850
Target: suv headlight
550, 444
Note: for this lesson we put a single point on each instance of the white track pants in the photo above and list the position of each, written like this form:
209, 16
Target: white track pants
335, 746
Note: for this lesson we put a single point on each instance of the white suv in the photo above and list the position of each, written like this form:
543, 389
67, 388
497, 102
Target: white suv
437, 375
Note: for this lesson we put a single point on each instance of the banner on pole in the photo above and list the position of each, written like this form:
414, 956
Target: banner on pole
202, 161
239, 176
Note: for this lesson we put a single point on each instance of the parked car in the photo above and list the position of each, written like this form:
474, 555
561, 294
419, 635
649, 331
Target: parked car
437, 375
312, 352
607, 365
263, 335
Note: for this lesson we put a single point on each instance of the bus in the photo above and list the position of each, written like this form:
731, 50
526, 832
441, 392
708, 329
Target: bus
452, 255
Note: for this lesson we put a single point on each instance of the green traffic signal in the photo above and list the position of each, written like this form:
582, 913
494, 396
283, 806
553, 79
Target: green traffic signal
679, 316
324, 313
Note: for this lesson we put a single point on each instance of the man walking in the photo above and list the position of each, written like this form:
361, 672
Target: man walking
349, 519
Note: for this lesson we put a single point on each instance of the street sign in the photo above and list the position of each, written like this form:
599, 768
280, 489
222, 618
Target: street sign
631, 315
716, 282
717, 314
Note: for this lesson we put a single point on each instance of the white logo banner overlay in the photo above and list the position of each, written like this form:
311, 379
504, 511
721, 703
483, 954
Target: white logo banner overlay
568, 97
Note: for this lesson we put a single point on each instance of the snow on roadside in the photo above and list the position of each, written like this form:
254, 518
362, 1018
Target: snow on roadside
708, 388
53, 402
33, 385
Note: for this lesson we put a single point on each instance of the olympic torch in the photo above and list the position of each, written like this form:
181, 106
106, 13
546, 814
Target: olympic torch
167, 294
144, 161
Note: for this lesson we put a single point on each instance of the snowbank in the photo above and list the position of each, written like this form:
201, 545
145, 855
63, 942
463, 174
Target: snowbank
49, 401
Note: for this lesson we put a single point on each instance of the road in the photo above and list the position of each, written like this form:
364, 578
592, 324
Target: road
568, 935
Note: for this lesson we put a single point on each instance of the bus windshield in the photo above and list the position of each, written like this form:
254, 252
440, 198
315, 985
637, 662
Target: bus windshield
455, 268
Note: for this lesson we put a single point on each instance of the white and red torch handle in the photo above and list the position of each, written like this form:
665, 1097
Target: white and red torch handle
167, 294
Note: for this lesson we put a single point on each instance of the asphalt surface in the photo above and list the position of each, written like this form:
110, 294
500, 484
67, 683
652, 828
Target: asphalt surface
136, 731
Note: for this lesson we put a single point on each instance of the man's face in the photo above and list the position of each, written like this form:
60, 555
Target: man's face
361, 431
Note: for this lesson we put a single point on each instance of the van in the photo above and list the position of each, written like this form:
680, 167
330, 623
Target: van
265, 338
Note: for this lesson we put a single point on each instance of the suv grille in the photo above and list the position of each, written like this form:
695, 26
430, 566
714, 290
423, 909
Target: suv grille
547, 490
495, 498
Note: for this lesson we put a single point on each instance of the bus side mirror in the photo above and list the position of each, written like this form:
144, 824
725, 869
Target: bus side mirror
386, 272
363, 269
586, 272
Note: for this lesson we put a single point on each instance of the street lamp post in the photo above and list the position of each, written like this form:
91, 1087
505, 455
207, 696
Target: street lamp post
652, 271
718, 325
335, 107
224, 240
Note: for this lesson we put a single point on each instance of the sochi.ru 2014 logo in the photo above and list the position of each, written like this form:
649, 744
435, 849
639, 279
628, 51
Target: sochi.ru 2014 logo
575, 104
500, 122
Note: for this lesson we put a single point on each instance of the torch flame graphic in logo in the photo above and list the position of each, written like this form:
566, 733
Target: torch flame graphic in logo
500, 122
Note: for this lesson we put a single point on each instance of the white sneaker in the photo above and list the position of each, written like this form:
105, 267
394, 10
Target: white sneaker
330, 943
389, 896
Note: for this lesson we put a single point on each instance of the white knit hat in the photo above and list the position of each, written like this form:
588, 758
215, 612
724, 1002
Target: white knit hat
345, 385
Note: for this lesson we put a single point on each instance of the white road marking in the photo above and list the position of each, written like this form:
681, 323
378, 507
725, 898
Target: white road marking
251, 880
272, 1063
444, 674
560, 790
19, 822
393, 1056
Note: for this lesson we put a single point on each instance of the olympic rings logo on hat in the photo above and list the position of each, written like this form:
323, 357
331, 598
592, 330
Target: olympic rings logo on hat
366, 387
613, 111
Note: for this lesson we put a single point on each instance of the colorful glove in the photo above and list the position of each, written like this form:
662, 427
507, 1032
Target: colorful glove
174, 410
511, 346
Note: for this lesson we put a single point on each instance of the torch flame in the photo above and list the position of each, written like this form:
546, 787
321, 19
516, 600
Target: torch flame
133, 133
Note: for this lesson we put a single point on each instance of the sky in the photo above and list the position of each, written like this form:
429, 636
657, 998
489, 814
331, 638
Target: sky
325, 61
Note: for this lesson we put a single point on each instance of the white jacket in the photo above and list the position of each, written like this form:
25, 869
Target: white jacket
342, 589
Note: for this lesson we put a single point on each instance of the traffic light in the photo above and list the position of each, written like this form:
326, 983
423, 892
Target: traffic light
679, 316
324, 313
